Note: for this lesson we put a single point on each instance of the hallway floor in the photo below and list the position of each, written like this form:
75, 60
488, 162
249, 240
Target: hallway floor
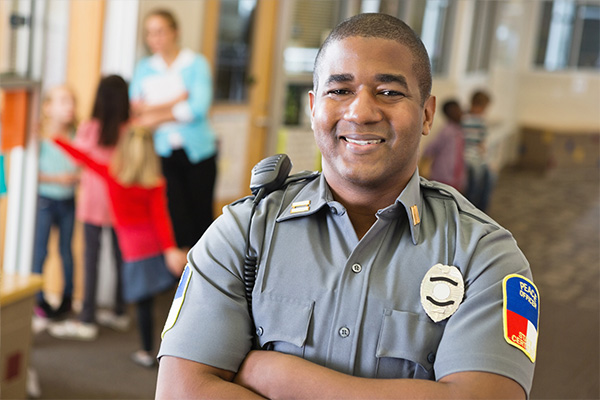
555, 218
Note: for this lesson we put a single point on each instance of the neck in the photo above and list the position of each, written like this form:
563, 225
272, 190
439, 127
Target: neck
363, 203
57, 129
170, 55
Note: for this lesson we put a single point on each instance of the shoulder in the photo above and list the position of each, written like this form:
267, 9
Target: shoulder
277, 199
441, 196
143, 67
194, 61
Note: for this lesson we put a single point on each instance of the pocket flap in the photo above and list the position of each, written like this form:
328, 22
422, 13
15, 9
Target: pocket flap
282, 319
405, 335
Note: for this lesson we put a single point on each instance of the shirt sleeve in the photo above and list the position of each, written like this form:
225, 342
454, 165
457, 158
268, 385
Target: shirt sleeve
82, 158
161, 218
198, 82
135, 86
473, 338
213, 325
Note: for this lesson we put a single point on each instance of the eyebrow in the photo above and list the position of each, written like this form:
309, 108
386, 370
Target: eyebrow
382, 78
339, 78
392, 78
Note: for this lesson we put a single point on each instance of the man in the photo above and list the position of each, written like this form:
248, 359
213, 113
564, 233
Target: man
365, 272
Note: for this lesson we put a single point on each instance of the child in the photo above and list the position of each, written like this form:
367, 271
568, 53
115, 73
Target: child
137, 195
57, 177
447, 149
480, 180
97, 138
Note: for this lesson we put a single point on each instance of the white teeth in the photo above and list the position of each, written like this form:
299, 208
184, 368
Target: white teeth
363, 142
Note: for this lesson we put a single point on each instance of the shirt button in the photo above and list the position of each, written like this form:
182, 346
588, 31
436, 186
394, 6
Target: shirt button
344, 331
431, 357
356, 268
259, 331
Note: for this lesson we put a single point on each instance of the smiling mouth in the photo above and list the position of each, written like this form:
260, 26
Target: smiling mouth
362, 142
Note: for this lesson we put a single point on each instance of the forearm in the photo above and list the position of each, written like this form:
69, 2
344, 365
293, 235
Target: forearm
275, 375
184, 379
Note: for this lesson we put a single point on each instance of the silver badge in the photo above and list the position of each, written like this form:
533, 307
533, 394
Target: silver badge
442, 291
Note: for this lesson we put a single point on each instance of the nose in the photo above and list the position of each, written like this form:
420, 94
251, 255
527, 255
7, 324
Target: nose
363, 109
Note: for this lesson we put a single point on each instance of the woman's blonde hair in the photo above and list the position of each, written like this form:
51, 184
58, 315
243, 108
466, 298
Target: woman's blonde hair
134, 161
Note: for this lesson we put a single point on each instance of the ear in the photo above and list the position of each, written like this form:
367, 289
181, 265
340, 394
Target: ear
311, 103
428, 113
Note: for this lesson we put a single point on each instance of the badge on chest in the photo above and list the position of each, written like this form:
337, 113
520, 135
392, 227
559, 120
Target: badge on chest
442, 291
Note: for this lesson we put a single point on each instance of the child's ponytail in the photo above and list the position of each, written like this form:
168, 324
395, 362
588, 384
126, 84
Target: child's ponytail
134, 161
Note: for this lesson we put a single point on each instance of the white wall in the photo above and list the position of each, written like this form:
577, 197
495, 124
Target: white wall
522, 95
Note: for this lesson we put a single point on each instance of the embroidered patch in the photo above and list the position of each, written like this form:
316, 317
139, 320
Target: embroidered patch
178, 299
521, 313
442, 291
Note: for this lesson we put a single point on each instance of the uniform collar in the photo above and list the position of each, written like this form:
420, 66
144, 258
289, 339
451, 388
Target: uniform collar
316, 195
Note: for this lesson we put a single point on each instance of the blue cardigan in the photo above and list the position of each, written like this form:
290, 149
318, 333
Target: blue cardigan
154, 82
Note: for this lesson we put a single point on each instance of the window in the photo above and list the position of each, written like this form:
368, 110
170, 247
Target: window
482, 36
431, 19
569, 35
436, 33
233, 60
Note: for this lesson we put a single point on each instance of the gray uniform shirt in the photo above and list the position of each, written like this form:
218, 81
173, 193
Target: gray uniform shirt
347, 304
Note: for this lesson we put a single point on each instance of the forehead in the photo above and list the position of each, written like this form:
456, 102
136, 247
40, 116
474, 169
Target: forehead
156, 22
60, 93
365, 57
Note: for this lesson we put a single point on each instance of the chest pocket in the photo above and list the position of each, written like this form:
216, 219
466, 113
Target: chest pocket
282, 323
407, 346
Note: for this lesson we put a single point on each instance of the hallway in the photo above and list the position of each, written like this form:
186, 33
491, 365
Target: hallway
555, 218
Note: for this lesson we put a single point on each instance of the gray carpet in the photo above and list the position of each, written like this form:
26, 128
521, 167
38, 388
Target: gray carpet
555, 217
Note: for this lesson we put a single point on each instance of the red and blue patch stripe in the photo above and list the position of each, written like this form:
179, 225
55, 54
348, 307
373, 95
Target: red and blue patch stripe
521, 313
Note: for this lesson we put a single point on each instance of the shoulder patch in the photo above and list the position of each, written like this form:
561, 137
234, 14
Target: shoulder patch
178, 299
521, 313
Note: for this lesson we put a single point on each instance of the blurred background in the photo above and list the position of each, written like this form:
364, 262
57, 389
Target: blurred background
539, 60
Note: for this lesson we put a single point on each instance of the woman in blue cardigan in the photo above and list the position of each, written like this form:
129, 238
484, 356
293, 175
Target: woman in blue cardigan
171, 91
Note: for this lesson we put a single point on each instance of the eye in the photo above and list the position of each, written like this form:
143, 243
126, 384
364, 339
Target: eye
338, 92
391, 93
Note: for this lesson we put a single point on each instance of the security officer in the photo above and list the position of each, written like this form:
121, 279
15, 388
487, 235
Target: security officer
366, 271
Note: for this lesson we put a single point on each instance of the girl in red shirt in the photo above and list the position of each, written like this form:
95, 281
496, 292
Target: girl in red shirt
137, 194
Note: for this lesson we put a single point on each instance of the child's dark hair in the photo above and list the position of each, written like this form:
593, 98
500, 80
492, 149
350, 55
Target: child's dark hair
111, 108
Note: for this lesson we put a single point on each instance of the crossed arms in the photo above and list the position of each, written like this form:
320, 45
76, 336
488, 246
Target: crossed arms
274, 375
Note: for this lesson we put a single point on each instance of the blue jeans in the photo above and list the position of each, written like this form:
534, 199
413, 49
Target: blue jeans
62, 214
479, 185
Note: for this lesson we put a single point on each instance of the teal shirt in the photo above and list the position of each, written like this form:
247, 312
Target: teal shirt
154, 82
53, 161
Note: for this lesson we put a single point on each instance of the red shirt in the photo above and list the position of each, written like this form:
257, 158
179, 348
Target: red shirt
140, 215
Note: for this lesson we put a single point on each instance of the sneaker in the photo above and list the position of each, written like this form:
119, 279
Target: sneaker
111, 320
39, 324
143, 358
70, 329
43, 310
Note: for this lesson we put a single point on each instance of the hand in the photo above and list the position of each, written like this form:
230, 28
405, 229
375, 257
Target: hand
175, 260
137, 108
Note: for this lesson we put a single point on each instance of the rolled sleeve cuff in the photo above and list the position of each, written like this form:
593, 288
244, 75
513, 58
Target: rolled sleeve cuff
182, 112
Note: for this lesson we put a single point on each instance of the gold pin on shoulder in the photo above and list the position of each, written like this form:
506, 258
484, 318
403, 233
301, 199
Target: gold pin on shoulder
300, 206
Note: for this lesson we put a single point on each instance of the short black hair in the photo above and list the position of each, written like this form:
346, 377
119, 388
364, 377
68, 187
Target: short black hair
448, 106
383, 26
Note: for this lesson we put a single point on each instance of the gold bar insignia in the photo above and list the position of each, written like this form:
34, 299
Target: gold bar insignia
415, 215
300, 206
